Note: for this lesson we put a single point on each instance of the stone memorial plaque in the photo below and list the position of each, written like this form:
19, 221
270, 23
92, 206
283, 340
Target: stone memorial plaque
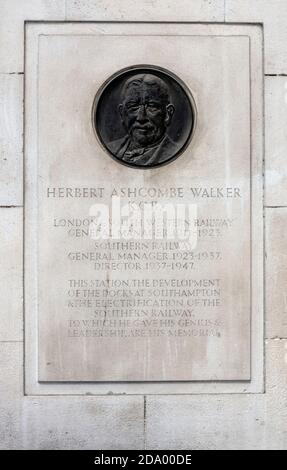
142, 204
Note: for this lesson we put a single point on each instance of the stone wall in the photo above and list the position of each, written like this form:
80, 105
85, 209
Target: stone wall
229, 421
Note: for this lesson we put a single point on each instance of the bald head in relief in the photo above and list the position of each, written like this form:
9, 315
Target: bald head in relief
146, 113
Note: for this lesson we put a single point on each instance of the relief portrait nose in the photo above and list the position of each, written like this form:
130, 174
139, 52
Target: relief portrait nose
142, 113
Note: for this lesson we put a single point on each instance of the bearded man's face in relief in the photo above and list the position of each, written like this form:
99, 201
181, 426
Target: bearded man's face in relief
145, 110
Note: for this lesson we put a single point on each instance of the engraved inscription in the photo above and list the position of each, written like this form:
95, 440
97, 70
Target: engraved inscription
142, 209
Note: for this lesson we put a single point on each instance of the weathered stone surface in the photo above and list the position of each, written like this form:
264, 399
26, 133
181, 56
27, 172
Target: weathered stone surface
13, 15
11, 424
205, 422
11, 275
276, 394
221, 132
276, 273
63, 422
11, 394
83, 423
230, 422
276, 141
276, 370
11, 366
145, 10
11, 139
273, 14
221, 421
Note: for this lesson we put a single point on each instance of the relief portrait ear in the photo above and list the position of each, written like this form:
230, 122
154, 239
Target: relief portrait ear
170, 109
120, 110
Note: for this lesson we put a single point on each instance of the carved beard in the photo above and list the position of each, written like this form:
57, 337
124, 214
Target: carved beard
146, 134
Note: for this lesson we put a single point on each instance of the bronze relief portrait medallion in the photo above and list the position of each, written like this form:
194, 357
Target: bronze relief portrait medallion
144, 116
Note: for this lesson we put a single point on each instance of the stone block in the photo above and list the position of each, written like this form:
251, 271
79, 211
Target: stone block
11, 139
273, 14
13, 15
11, 274
145, 10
